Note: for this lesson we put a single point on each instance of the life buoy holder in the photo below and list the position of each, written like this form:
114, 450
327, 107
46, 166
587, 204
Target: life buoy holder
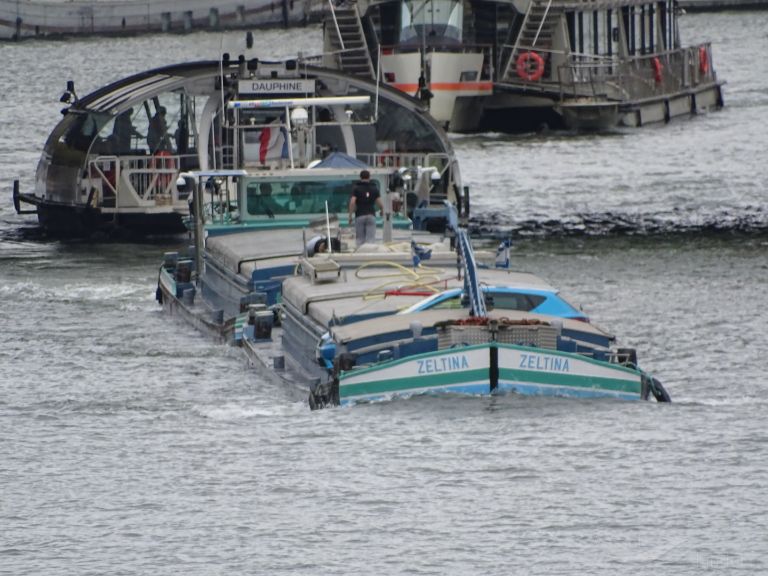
703, 60
530, 66
657, 69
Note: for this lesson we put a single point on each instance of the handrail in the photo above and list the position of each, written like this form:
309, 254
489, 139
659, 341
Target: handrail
336, 24
634, 77
144, 178
517, 39
471, 280
405, 159
541, 23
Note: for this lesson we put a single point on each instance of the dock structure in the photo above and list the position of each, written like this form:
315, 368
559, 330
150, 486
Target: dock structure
35, 19
718, 5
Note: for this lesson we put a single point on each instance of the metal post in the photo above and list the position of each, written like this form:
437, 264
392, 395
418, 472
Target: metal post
336, 23
387, 217
197, 200
378, 79
288, 134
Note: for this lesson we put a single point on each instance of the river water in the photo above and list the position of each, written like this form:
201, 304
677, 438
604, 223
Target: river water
130, 444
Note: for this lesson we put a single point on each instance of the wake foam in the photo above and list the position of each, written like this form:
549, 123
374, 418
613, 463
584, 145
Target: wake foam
753, 221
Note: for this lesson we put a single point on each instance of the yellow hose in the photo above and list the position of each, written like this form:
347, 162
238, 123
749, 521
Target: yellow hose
421, 277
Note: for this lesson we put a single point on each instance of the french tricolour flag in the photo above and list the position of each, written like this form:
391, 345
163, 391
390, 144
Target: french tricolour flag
273, 143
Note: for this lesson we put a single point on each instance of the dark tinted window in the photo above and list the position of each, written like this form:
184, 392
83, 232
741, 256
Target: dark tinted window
514, 301
298, 196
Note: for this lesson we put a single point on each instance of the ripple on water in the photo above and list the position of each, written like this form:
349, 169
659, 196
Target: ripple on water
133, 445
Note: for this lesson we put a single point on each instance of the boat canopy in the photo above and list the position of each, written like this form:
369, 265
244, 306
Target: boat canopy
340, 160
179, 112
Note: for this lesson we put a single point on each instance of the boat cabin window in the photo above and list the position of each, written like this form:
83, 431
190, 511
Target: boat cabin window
424, 21
273, 198
82, 132
496, 300
162, 124
516, 301
646, 29
407, 132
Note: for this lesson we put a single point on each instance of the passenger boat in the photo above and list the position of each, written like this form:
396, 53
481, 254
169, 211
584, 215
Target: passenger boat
521, 65
276, 269
110, 166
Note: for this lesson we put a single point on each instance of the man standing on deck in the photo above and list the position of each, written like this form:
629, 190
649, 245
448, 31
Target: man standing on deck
123, 133
363, 202
157, 135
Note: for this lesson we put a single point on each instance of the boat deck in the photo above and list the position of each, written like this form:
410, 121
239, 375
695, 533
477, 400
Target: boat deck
385, 287
247, 251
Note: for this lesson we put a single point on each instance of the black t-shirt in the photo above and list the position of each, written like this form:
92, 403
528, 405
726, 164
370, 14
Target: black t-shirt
365, 193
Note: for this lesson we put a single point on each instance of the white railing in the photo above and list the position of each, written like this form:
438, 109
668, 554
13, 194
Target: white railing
135, 181
637, 77
405, 160
336, 24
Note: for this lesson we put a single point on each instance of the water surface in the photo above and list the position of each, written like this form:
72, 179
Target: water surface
133, 445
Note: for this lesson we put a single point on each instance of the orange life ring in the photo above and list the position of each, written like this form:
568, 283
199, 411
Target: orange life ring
530, 66
657, 68
703, 60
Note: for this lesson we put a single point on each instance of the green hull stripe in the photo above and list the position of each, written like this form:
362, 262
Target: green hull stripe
390, 363
414, 383
581, 358
472, 376
569, 380
482, 375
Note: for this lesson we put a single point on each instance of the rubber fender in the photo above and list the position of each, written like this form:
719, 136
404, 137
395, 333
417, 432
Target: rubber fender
659, 392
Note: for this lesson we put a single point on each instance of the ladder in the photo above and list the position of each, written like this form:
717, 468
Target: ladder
536, 32
347, 39
472, 287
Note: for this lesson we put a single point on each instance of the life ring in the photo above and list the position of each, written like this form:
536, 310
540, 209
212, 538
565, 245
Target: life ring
530, 66
657, 69
703, 60
163, 160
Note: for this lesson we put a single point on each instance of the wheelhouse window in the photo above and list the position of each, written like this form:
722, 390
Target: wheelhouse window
422, 21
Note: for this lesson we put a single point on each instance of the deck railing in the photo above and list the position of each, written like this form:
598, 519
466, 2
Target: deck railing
639, 76
405, 160
636, 77
135, 181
